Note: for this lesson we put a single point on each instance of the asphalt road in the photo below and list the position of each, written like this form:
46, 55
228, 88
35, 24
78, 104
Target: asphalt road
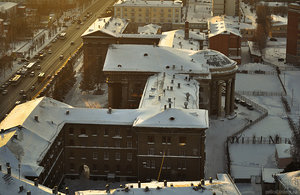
51, 62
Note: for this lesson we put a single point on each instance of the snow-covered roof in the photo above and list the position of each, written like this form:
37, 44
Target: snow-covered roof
290, 181
254, 49
274, 4
109, 25
115, 28
147, 58
175, 39
10, 184
218, 25
283, 150
222, 185
279, 20
42, 132
267, 174
149, 29
7, 5
145, 3
248, 159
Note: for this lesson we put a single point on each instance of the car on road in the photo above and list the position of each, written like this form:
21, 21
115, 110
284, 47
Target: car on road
49, 51
32, 88
22, 92
4, 92
72, 43
61, 57
38, 67
32, 74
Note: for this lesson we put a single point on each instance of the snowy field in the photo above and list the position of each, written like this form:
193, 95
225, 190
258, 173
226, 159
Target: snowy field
274, 51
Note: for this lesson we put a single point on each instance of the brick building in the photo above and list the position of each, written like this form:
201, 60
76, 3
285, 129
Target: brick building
293, 34
225, 38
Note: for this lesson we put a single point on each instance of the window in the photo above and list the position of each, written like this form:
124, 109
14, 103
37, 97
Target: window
129, 133
182, 164
72, 166
94, 132
82, 131
117, 132
106, 133
151, 151
71, 142
118, 156
106, 155
71, 156
166, 140
195, 151
151, 139
153, 164
182, 141
117, 144
129, 144
71, 131
106, 168
129, 156
95, 155
94, 167
105, 144
148, 164
182, 153
118, 168
129, 168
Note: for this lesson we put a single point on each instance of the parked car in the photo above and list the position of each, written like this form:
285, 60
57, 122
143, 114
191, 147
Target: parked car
32, 74
4, 92
243, 103
38, 67
250, 107
61, 57
22, 92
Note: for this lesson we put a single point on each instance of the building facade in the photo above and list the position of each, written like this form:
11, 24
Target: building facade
293, 34
225, 7
146, 12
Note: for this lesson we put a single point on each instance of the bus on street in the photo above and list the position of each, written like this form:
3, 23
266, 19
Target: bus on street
16, 79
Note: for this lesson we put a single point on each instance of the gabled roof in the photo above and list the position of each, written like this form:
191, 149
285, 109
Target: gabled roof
219, 25
173, 118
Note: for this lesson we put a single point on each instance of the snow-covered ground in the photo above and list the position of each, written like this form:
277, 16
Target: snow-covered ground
275, 50
78, 98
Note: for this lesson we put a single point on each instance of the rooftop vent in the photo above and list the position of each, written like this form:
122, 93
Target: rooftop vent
158, 188
170, 105
174, 67
119, 66
36, 118
139, 184
169, 99
165, 107
167, 67
192, 184
202, 182
145, 54
146, 189
178, 85
7, 164
28, 192
67, 112
171, 88
165, 183
36, 181
172, 81
172, 118
210, 179
173, 76
15, 136
21, 188
55, 190
109, 111
9, 170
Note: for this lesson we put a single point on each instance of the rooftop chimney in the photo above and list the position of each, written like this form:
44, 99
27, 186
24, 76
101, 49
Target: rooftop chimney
36, 118
202, 182
170, 105
171, 88
67, 191
28, 193
165, 107
9, 170
178, 85
210, 179
107, 188
165, 183
21, 188
54, 190
109, 111
36, 181
186, 30
139, 184
0, 167
173, 76
185, 105
67, 112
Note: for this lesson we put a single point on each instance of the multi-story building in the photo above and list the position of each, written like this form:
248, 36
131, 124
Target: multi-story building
225, 37
293, 34
146, 12
225, 7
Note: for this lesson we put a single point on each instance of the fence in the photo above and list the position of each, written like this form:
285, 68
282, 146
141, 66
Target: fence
258, 140
261, 93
